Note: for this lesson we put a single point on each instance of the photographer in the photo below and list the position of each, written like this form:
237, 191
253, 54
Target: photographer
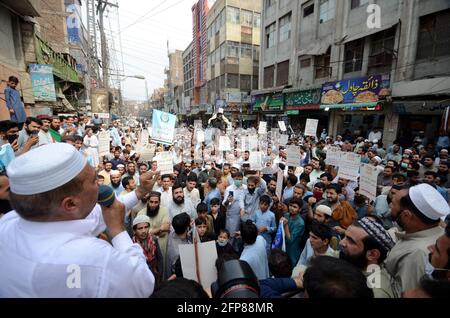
28, 136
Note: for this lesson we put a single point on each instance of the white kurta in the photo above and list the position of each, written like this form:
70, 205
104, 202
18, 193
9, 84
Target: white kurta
65, 259
91, 144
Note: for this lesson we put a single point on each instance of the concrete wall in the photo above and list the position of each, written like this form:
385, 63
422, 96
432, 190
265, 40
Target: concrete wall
53, 26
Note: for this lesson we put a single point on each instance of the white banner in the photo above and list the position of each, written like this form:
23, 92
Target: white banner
282, 125
349, 166
255, 160
293, 156
163, 127
368, 181
333, 156
103, 143
164, 162
262, 130
311, 127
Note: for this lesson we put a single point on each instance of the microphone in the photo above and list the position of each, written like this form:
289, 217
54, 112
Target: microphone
106, 196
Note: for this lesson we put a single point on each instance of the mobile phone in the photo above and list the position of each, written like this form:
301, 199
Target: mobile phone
231, 193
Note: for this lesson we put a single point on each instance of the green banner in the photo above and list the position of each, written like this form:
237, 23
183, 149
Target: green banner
269, 102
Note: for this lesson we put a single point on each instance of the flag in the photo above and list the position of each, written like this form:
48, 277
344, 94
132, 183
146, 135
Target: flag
278, 242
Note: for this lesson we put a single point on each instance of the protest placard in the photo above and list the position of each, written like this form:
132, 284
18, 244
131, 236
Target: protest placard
368, 181
252, 143
255, 160
311, 127
280, 178
293, 156
349, 166
224, 143
284, 139
200, 136
333, 156
282, 125
103, 143
262, 130
163, 127
144, 137
147, 152
165, 162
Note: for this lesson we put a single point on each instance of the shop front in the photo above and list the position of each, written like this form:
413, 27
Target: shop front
357, 105
303, 104
269, 107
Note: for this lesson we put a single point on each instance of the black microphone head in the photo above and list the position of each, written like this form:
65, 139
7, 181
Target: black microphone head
106, 196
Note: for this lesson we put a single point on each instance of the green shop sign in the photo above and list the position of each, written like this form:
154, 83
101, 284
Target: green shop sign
64, 65
302, 100
268, 102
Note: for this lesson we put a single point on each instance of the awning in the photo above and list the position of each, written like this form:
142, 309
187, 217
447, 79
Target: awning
352, 105
278, 89
369, 31
320, 47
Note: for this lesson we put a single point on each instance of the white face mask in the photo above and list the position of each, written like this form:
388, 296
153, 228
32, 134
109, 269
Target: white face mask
222, 243
208, 167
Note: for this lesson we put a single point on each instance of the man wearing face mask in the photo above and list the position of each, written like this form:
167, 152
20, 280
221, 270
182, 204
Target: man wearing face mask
234, 203
206, 174
256, 187
418, 212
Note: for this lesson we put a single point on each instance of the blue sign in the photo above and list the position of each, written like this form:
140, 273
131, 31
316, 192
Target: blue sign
42, 82
163, 127
367, 89
73, 23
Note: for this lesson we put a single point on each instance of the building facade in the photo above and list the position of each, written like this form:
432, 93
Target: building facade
233, 47
188, 72
335, 47
174, 79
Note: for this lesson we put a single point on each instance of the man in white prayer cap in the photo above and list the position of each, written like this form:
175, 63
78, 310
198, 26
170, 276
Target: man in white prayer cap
49, 245
418, 211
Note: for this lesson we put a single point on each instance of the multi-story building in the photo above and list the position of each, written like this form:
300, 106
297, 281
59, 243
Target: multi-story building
357, 67
188, 72
233, 45
174, 79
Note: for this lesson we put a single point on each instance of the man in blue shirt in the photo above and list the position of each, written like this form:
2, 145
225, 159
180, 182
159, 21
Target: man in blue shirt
213, 193
265, 221
14, 102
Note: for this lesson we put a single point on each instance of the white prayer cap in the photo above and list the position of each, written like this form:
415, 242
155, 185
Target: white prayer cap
429, 201
444, 150
378, 159
220, 111
324, 209
45, 168
141, 218
114, 172
237, 166
375, 141
408, 151
120, 165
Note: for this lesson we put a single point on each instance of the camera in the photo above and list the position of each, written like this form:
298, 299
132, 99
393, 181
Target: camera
236, 279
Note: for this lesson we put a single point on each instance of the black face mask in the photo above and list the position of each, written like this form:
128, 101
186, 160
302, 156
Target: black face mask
251, 191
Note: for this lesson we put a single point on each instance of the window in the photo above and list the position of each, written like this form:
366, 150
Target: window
232, 81
305, 63
382, 48
434, 33
308, 10
285, 27
256, 53
270, 35
283, 73
222, 51
246, 50
232, 49
256, 20
326, 10
268, 76
246, 82
358, 3
353, 56
222, 18
233, 15
322, 67
269, 3
255, 82
246, 18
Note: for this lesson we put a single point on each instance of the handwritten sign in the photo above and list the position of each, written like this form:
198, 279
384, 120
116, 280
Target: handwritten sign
103, 143
333, 156
164, 161
293, 156
262, 130
282, 125
311, 127
368, 181
349, 166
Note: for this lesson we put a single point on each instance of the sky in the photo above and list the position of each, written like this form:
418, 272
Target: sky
144, 44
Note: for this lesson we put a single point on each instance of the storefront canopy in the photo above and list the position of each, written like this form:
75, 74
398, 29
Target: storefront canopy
351, 105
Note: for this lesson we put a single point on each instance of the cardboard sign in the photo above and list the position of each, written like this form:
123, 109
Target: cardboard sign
282, 125
333, 156
349, 166
293, 156
311, 127
368, 181
103, 143
262, 130
165, 162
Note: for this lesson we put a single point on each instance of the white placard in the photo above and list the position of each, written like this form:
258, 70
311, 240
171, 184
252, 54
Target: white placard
333, 156
144, 137
244, 143
349, 166
280, 178
206, 265
163, 127
200, 136
253, 143
103, 143
293, 156
146, 153
262, 130
311, 127
282, 125
165, 162
368, 181
284, 140
255, 160
198, 124
224, 143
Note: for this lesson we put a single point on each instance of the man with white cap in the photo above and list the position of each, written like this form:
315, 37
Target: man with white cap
52, 234
219, 121
418, 212
116, 182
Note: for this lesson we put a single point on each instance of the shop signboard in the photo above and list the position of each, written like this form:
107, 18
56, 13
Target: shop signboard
302, 100
268, 102
363, 91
